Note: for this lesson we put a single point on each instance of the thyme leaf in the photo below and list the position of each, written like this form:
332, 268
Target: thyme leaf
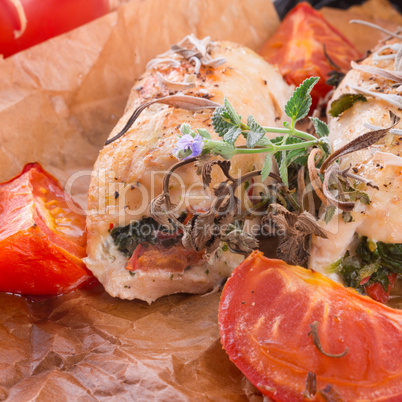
343, 205
329, 213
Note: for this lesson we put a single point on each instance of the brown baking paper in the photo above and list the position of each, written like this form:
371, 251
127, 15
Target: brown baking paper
89, 346
58, 103
60, 99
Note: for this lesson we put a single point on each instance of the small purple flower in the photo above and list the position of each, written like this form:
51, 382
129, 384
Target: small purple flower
188, 143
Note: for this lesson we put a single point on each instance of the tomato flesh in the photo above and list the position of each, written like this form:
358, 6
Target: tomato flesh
377, 292
297, 49
45, 19
147, 257
42, 236
265, 314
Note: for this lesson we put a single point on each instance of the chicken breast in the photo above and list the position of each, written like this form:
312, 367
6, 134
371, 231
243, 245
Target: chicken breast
126, 250
381, 220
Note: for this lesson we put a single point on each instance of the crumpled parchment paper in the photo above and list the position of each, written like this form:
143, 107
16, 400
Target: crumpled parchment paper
60, 99
58, 103
90, 346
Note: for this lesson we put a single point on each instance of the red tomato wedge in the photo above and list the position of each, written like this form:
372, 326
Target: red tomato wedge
148, 257
42, 236
297, 49
44, 19
265, 314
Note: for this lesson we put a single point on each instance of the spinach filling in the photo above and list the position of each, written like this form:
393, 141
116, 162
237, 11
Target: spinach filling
375, 260
147, 230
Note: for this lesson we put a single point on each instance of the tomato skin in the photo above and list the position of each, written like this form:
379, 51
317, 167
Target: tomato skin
42, 241
377, 292
173, 259
297, 49
45, 19
265, 314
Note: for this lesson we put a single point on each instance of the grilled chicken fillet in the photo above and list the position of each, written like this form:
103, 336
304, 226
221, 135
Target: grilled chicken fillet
381, 220
139, 261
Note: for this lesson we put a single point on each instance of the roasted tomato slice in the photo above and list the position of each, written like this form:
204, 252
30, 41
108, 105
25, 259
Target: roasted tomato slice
297, 49
173, 259
42, 236
266, 317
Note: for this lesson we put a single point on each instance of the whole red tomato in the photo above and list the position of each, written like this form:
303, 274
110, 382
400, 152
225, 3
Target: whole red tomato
44, 19
297, 49
42, 236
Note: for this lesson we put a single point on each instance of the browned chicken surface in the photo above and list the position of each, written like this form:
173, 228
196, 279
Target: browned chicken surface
126, 250
381, 163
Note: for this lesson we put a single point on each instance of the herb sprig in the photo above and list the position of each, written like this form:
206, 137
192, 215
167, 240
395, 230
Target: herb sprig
291, 146
305, 162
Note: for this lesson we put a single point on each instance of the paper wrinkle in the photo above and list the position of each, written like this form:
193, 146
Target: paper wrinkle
89, 344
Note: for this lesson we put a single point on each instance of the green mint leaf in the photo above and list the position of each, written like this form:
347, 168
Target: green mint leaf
224, 149
299, 104
220, 125
298, 156
204, 133
321, 128
232, 134
185, 129
264, 142
266, 170
283, 169
329, 213
325, 145
255, 134
345, 102
234, 116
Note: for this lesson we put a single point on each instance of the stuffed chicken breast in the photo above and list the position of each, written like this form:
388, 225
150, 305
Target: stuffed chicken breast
127, 250
369, 246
